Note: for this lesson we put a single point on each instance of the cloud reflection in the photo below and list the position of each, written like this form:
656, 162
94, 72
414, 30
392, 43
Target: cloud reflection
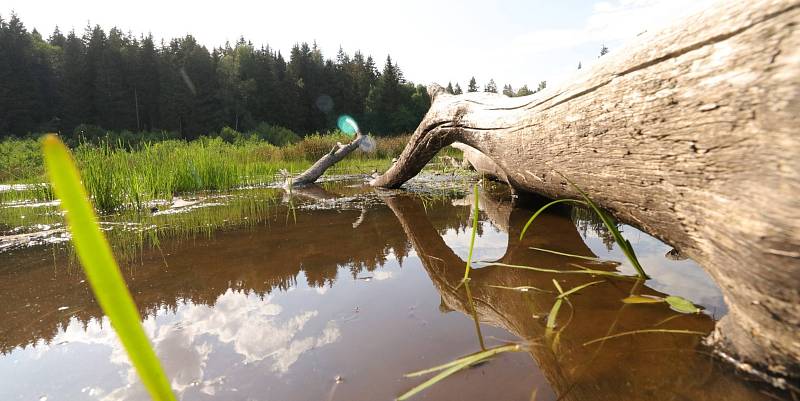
256, 328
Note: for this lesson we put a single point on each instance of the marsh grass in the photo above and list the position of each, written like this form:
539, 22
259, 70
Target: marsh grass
122, 177
101, 269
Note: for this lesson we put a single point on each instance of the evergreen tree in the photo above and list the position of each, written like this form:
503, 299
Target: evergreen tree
579, 65
542, 85
116, 81
524, 91
603, 50
457, 89
508, 91
473, 85
449, 88
491, 87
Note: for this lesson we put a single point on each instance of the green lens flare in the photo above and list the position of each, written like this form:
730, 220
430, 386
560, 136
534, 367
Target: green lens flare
347, 125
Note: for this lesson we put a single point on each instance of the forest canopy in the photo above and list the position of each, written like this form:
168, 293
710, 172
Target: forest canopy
122, 82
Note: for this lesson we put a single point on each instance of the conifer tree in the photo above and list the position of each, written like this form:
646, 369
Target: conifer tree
491, 87
473, 85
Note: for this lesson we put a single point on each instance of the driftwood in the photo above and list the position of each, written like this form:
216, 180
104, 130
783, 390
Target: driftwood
336, 154
690, 134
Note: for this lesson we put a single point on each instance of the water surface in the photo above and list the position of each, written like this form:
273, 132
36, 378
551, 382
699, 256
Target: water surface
335, 292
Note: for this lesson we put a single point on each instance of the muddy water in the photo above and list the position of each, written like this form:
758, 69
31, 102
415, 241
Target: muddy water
336, 292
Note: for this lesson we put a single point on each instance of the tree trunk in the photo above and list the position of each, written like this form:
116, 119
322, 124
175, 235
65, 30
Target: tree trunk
690, 134
337, 153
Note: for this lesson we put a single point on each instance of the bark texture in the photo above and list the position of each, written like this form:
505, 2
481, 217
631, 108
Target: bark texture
336, 154
691, 134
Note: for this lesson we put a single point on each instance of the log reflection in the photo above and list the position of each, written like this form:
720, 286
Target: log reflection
654, 366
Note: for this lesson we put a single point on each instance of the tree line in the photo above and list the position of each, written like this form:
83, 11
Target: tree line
116, 81
120, 82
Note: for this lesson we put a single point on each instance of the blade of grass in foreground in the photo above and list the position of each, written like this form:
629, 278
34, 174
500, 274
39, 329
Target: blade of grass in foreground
101, 269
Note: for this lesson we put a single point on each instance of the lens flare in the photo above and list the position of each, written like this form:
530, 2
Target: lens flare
347, 124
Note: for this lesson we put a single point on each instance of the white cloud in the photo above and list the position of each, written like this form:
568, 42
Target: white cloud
256, 328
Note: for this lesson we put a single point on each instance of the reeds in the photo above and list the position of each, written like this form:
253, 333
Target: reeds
118, 177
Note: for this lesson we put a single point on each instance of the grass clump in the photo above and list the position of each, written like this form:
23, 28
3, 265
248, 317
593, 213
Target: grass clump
101, 269
118, 174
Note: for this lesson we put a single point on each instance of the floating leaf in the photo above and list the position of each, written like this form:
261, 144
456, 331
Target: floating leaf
638, 299
681, 305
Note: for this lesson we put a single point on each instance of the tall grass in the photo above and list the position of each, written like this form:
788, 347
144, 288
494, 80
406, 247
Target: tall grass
117, 176
101, 269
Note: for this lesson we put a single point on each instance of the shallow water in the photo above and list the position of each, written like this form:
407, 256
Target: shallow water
337, 291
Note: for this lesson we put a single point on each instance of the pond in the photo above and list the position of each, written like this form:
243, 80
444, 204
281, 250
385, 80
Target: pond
336, 291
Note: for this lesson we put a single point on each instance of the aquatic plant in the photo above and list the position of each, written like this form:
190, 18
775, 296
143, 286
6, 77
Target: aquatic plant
562, 296
475, 212
608, 221
101, 269
455, 366
678, 304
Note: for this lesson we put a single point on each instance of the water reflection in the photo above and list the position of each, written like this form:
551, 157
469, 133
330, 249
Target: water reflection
282, 308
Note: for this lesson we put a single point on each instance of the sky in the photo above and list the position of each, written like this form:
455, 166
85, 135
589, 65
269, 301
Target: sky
516, 42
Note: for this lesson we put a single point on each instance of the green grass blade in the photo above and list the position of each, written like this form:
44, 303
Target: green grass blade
578, 288
583, 271
522, 288
627, 333
455, 366
542, 209
474, 231
572, 255
433, 380
551, 318
101, 269
624, 244
558, 287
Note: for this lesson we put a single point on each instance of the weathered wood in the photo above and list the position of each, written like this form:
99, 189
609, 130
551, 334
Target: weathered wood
691, 134
337, 153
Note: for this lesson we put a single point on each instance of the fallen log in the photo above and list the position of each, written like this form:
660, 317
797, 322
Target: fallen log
336, 154
691, 134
